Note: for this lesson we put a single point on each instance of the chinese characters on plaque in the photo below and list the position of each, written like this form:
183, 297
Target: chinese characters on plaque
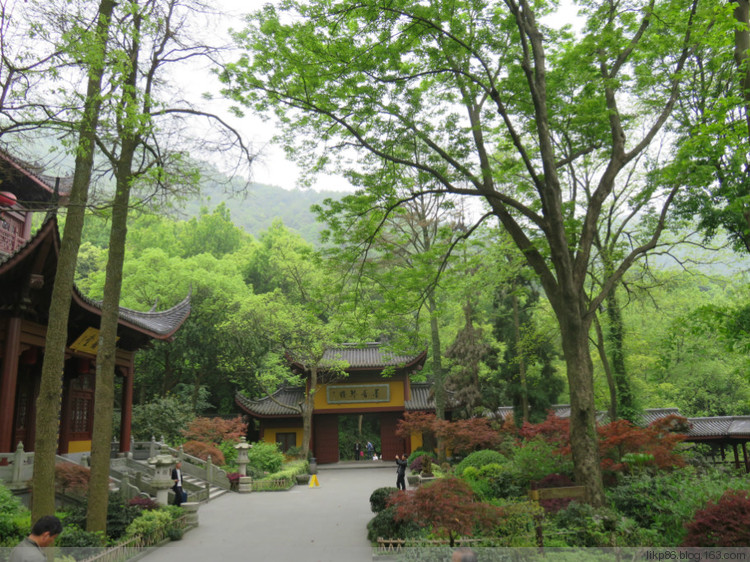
349, 393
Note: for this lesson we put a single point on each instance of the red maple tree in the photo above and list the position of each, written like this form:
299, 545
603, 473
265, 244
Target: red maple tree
448, 506
461, 436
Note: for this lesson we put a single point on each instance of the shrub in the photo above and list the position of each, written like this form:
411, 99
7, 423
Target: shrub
537, 458
71, 477
448, 507
421, 462
215, 430
666, 502
230, 453
149, 522
379, 498
13, 528
266, 456
119, 516
517, 528
9, 503
203, 451
417, 454
78, 542
478, 459
587, 526
385, 525
493, 481
143, 504
725, 523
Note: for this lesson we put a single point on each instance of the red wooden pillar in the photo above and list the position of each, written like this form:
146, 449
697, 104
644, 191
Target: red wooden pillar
8, 382
126, 412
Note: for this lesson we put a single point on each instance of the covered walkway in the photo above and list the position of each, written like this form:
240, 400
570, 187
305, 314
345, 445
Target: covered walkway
326, 524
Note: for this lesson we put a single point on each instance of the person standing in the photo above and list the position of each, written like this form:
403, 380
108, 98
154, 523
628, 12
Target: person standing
177, 477
43, 534
357, 450
401, 472
370, 450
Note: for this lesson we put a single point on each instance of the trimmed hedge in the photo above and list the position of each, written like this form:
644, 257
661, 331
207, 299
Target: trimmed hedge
379, 498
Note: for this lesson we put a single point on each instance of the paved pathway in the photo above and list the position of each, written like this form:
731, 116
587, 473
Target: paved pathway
326, 524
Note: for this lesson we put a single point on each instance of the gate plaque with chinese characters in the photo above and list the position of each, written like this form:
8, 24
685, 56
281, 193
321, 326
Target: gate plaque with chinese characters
353, 393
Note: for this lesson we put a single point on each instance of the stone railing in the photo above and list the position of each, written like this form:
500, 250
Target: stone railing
205, 470
16, 468
135, 480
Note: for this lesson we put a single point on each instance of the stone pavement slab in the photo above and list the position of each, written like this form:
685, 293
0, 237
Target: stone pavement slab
323, 524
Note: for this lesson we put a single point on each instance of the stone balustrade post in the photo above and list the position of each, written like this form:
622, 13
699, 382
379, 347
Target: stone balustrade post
19, 457
191, 513
209, 469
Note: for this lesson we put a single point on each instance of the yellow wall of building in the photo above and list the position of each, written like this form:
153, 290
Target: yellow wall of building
416, 441
79, 446
269, 434
395, 390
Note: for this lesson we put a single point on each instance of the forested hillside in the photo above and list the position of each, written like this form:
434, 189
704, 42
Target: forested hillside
254, 206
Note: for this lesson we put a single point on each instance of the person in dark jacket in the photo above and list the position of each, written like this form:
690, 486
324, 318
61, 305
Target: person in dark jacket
357, 451
177, 477
401, 472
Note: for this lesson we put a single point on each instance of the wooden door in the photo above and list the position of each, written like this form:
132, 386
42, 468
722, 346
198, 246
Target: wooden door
326, 438
391, 444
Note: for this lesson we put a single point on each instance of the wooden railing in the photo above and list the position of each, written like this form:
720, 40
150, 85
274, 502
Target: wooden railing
397, 545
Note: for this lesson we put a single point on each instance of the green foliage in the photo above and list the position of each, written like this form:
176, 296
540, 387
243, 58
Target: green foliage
166, 417
119, 516
385, 525
75, 536
536, 458
379, 498
418, 453
584, 525
478, 459
149, 522
666, 502
14, 527
229, 452
517, 528
9, 503
266, 456
493, 481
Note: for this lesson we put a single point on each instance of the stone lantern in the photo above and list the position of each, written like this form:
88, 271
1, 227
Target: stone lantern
162, 480
246, 483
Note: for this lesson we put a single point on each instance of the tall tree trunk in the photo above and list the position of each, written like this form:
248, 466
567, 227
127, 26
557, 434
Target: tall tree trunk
307, 411
583, 437
438, 373
50, 391
625, 400
96, 515
521, 360
602, 349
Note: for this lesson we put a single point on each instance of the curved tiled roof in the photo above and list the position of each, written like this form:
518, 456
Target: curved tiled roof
159, 325
288, 397
369, 355
43, 185
284, 400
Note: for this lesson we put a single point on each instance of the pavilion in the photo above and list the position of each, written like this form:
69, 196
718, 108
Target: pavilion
377, 382
28, 265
